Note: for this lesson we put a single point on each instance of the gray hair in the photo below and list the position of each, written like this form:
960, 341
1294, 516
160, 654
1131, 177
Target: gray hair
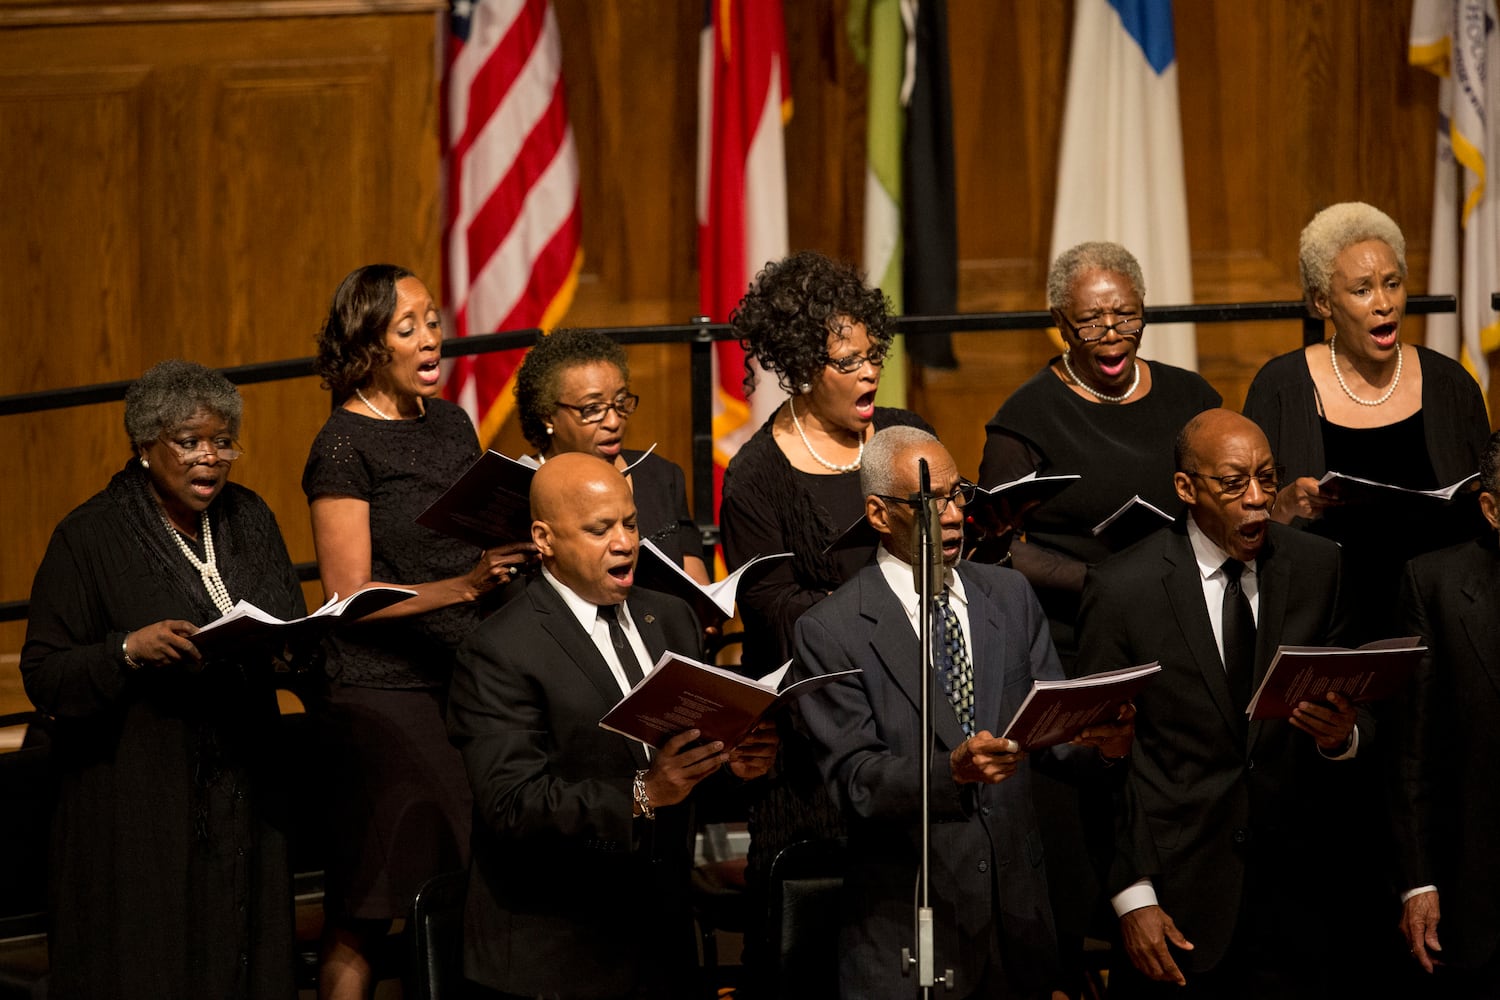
171, 393
878, 472
1099, 256
1489, 466
1334, 230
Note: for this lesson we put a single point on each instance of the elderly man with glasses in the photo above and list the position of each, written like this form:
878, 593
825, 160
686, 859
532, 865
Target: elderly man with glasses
1224, 873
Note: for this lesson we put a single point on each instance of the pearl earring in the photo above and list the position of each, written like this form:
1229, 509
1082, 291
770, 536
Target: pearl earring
549, 430
145, 464
804, 388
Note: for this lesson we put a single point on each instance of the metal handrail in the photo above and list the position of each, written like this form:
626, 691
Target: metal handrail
700, 336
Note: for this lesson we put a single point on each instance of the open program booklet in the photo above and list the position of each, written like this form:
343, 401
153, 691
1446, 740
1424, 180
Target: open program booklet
1372, 672
1056, 711
680, 693
246, 623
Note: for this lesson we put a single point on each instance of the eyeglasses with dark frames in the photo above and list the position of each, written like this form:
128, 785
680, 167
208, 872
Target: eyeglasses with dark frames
962, 494
851, 363
1128, 326
591, 413
1233, 486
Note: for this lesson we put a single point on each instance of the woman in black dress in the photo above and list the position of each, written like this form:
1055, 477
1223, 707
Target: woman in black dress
573, 394
794, 487
1098, 411
1365, 404
399, 800
168, 872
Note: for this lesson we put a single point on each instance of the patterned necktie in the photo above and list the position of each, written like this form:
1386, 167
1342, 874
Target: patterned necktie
623, 650
958, 671
1239, 635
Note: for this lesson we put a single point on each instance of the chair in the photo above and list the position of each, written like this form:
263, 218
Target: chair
806, 880
437, 934
718, 900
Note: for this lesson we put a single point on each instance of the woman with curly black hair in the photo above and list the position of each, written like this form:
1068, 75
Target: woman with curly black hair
794, 487
399, 801
573, 394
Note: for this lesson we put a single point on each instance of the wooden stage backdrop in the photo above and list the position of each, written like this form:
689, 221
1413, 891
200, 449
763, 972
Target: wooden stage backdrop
193, 179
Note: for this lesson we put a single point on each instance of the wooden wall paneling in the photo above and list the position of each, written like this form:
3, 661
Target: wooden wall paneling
72, 167
1009, 81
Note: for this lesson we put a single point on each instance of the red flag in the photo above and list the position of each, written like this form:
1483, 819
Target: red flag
743, 104
512, 239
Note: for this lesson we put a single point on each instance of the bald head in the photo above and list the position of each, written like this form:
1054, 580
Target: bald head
1198, 434
584, 526
1227, 477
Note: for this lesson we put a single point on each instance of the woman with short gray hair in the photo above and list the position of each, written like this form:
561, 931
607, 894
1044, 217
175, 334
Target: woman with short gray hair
1366, 404
169, 874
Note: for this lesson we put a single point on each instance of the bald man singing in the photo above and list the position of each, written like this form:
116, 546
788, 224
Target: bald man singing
582, 842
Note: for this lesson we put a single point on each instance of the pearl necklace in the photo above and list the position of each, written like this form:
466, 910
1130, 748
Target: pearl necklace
373, 408
834, 466
1333, 358
1101, 396
207, 568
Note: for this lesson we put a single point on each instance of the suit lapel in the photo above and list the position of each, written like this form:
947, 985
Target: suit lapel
1184, 586
1480, 617
1274, 584
987, 638
894, 643
579, 649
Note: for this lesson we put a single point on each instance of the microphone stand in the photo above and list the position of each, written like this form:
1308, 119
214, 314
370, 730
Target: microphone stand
927, 575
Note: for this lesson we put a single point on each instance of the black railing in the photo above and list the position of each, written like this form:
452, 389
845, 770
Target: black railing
700, 337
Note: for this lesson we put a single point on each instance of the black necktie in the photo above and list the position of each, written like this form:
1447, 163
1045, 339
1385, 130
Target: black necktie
623, 650
1239, 635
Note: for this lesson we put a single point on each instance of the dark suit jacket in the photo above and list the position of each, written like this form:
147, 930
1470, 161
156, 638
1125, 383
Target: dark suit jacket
867, 736
1447, 803
568, 894
1209, 796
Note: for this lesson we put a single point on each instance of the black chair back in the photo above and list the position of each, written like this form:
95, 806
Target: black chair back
806, 880
437, 931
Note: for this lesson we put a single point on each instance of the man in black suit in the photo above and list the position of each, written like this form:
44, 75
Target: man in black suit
1224, 828
582, 844
993, 922
1447, 802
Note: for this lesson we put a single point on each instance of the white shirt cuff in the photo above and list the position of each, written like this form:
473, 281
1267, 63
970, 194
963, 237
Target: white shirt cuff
1348, 754
1419, 890
1134, 897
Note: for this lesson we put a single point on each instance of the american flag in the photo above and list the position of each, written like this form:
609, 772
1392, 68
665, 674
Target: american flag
744, 102
512, 238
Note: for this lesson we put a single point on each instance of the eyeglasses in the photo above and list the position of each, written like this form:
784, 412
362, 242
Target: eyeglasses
1129, 326
962, 494
591, 413
851, 363
1234, 486
191, 450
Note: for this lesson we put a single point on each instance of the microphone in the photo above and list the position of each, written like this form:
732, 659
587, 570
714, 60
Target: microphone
927, 531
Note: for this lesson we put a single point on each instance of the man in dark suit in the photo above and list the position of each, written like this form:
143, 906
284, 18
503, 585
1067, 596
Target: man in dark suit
1447, 802
993, 923
1223, 829
582, 843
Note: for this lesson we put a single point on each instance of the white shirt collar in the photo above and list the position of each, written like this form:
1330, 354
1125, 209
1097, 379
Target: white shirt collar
898, 575
587, 612
1209, 556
